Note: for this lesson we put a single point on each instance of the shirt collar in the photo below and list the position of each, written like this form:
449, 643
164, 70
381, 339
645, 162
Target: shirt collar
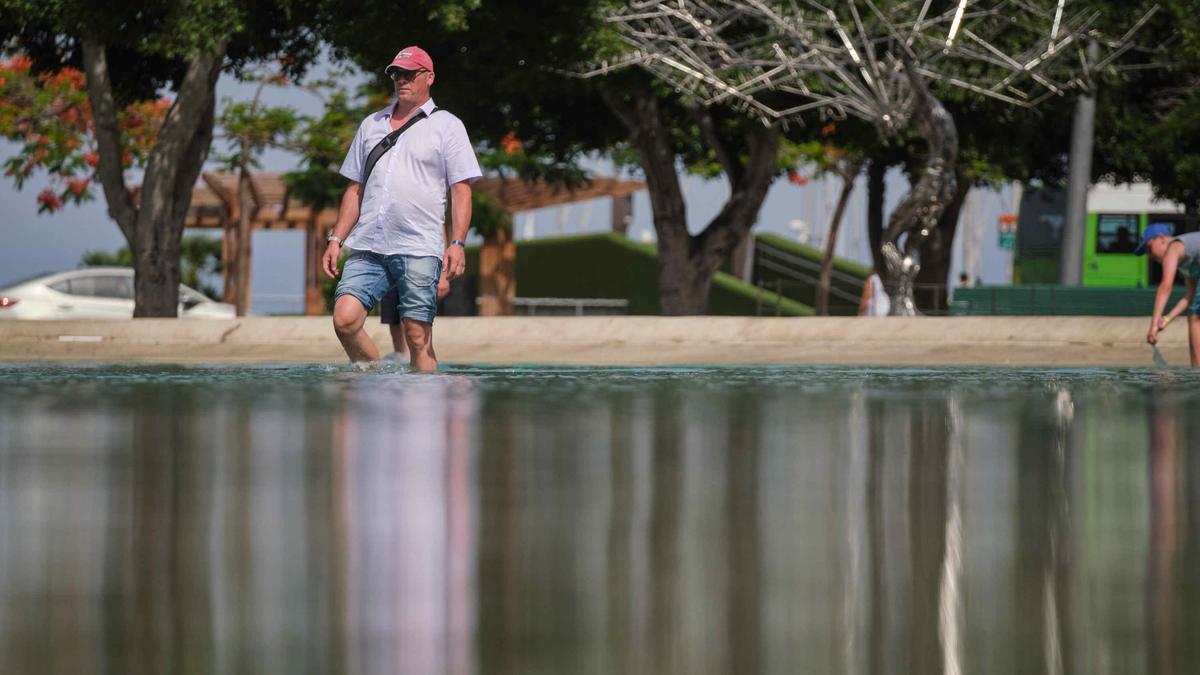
386, 113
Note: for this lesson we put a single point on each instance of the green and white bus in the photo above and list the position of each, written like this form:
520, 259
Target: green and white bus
1116, 217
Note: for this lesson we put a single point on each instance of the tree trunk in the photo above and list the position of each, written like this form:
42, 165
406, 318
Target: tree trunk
686, 263
849, 171
244, 238
934, 281
154, 226
876, 191
916, 217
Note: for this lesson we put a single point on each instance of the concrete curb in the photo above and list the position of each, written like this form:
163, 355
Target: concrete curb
1010, 341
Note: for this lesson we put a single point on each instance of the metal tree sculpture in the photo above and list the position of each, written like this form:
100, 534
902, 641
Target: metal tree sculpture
873, 59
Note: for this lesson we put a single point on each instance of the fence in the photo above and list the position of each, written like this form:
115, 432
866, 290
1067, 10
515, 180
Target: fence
570, 306
1055, 300
780, 287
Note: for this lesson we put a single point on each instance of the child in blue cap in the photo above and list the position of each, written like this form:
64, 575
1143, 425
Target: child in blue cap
1176, 254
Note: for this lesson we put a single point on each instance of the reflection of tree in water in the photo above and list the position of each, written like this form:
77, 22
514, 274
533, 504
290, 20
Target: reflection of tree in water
666, 563
222, 531
1044, 544
875, 535
499, 545
743, 538
927, 512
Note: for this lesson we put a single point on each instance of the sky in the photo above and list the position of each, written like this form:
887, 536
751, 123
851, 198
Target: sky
36, 244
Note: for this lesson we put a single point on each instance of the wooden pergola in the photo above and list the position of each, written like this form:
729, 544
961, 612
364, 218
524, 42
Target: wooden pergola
215, 205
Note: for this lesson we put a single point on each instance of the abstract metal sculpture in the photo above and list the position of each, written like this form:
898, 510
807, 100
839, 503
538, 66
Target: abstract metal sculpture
872, 59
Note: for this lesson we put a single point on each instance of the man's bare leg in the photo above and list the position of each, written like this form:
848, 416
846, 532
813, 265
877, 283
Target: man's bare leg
419, 336
349, 316
399, 344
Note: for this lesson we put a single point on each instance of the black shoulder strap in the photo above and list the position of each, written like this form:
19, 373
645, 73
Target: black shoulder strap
384, 145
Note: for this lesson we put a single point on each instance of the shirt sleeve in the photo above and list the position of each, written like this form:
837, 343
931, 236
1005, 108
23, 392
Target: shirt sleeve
459, 156
352, 166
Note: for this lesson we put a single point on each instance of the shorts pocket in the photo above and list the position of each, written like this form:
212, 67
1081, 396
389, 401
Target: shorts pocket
421, 272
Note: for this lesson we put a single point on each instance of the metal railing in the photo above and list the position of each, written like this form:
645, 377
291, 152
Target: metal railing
571, 306
780, 287
802, 271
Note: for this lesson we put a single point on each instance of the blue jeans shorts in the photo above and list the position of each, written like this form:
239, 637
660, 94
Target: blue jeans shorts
368, 275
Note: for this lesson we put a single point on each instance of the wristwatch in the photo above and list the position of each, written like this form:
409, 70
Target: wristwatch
333, 237
458, 242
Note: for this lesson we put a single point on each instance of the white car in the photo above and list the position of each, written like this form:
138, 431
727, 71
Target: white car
95, 293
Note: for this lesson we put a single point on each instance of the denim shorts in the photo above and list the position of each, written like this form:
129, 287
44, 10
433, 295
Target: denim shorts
368, 275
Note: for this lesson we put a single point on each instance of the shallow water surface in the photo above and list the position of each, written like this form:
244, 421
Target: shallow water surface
582, 520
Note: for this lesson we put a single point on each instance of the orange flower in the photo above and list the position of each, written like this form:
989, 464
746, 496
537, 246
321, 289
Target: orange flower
49, 201
91, 159
78, 185
511, 144
19, 63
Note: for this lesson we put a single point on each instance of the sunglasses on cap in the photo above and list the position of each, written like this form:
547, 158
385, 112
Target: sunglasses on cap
399, 75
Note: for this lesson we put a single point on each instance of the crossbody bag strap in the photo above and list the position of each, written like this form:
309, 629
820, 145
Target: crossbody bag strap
382, 147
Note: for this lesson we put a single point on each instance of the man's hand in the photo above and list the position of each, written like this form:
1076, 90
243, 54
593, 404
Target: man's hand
456, 261
1152, 334
329, 261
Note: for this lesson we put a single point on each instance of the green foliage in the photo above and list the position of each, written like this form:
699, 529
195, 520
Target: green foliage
150, 43
322, 143
497, 68
1148, 120
199, 255
250, 127
487, 217
120, 258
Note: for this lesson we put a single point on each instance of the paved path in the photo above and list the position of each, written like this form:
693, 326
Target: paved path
1015, 341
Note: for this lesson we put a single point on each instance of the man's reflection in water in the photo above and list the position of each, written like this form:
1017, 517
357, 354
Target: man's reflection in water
407, 488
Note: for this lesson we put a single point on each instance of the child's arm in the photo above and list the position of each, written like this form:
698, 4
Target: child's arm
1183, 304
1170, 263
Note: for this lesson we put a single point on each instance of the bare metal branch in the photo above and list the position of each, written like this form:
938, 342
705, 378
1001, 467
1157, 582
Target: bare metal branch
849, 56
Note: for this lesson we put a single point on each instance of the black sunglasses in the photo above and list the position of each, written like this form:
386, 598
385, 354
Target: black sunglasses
399, 75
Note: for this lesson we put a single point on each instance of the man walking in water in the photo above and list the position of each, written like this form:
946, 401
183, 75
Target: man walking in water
391, 214
1176, 254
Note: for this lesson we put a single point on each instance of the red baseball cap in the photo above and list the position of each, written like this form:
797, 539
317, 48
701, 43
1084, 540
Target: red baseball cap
411, 58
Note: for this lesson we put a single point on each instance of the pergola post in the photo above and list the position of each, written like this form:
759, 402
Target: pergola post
498, 274
314, 299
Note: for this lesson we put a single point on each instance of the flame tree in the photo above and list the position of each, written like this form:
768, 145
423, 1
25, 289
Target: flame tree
129, 53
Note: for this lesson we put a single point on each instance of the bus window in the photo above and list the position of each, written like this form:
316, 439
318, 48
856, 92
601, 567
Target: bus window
1116, 233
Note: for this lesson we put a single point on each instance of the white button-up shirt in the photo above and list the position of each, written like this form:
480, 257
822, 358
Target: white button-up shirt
404, 207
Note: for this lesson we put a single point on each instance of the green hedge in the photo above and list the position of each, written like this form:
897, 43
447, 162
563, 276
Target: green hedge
609, 265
